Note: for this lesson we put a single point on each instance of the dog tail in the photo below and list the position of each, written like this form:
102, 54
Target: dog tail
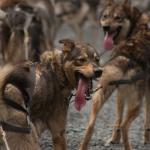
21, 76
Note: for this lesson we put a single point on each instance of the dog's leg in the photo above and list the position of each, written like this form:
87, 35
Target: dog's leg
131, 115
3, 141
57, 129
99, 98
59, 141
134, 105
147, 116
26, 44
116, 135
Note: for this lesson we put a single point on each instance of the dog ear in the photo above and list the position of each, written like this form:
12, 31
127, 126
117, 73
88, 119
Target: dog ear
68, 45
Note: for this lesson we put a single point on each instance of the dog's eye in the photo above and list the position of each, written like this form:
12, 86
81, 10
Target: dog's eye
81, 60
105, 16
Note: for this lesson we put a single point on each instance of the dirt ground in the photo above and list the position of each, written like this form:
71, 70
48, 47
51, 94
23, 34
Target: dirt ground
77, 121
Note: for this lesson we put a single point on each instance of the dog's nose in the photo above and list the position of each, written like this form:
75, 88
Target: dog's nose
106, 28
98, 72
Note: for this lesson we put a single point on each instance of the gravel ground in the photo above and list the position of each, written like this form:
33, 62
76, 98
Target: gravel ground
77, 121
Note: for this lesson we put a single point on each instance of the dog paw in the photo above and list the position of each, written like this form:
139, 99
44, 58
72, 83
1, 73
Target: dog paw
112, 142
146, 142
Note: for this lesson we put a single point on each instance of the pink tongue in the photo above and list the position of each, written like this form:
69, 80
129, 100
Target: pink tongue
108, 42
80, 100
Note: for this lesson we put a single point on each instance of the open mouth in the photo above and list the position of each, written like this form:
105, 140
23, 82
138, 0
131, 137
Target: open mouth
110, 37
84, 86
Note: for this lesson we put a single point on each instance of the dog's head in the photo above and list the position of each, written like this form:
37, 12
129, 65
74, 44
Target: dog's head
81, 65
117, 21
19, 16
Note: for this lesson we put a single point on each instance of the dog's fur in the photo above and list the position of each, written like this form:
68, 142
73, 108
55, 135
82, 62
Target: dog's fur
136, 35
55, 79
26, 30
15, 78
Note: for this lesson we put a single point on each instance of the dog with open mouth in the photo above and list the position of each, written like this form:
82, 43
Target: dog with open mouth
60, 71
130, 19
127, 47
117, 21
133, 21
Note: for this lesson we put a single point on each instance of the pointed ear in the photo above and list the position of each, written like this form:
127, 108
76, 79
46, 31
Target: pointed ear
68, 45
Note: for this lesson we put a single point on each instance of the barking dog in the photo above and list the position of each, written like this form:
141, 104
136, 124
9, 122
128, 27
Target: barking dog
58, 74
115, 19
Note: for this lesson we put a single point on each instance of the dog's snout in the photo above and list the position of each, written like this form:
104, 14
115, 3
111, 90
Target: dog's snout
98, 72
106, 28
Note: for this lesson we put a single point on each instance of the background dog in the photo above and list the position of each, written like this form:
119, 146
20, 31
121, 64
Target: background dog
26, 30
126, 21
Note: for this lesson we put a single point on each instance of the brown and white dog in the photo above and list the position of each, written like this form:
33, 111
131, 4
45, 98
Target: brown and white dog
126, 30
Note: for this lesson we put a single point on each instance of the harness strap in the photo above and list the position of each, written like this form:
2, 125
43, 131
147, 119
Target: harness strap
14, 105
133, 79
140, 76
13, 128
